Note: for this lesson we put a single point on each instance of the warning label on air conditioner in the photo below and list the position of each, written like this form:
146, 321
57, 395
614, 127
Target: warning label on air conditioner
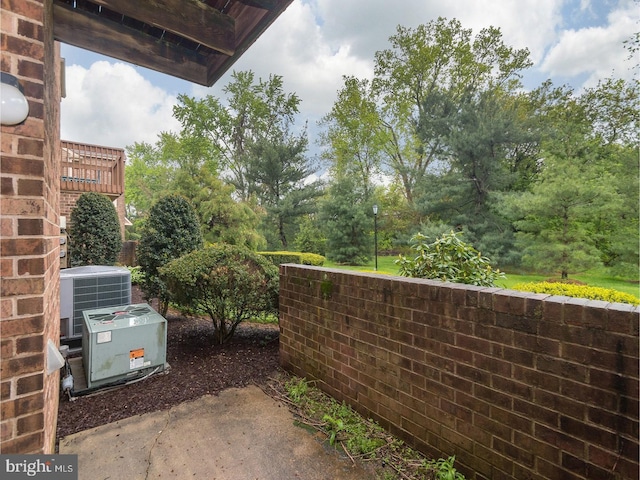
136, 358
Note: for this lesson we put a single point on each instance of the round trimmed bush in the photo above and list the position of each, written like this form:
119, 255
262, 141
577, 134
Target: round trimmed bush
94, 236
228, 283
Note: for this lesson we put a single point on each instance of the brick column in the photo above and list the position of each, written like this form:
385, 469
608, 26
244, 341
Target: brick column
29, 230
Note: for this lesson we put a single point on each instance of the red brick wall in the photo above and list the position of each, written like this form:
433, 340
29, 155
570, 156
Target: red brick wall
516, 385
29, 243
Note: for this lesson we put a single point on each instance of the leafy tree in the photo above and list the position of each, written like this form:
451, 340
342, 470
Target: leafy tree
170, 231
187, 166
555, 231
483, 137
449, 259
228, 283
310, 237
94, 236
354, 136
147, 173
582, 210
428, 74
616, 228
277, 172
255, 110
347, 221
396, 219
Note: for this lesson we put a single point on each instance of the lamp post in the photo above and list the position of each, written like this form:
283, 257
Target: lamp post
375, 234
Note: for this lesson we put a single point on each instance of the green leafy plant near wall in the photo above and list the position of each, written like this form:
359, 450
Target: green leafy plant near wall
444, 469
361, 438
449, 259
137, 275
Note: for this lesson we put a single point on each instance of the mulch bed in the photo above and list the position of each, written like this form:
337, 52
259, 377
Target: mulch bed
197, 367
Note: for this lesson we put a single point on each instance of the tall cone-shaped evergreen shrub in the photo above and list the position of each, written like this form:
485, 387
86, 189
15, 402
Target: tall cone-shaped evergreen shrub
94, 236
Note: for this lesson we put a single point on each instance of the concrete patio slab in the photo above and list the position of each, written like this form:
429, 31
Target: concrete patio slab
241, 434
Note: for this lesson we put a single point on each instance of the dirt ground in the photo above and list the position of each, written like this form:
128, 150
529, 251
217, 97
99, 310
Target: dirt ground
197, 367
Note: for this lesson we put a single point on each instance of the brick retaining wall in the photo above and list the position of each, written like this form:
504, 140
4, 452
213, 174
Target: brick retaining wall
516, 385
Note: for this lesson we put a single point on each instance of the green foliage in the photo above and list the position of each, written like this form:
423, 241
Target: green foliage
355, 133
137, 275
485, 133
579, 291
276, 173
300, 258
171, 230
147, 174
347, 220
556, 231
334, 427
427, 75
312, 259
186, 165
278, 258
444, 469
449, 259
94, 236
255, 109
228, 283
309, 237
296, 389
363, 438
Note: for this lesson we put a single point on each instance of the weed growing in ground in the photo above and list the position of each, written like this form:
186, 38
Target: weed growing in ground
361, 439
444, 468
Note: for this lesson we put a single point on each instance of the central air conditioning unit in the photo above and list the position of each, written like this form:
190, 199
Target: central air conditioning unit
86, 288
123, 343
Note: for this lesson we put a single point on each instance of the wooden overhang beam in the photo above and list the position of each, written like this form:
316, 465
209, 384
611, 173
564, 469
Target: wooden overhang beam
190, 19
92, 32
265, 12
266, 4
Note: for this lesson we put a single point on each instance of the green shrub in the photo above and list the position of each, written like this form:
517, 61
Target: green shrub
578, 291
137, 276
448, 259
444, 469
312, 259
278, 258
171, 230
226, 282
310, 237
94, 236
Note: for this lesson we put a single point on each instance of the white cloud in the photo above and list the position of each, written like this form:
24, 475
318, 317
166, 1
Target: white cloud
296, 48
367, 25
315, 42
595, 51
113, 104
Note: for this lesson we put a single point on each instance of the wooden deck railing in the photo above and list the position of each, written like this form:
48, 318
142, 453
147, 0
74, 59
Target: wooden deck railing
91, 168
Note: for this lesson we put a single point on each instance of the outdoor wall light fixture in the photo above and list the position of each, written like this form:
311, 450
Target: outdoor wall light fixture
14, 107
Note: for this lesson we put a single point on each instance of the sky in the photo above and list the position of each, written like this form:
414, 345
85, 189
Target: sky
314, 43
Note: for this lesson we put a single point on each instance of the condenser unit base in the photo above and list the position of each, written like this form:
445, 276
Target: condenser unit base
80, 388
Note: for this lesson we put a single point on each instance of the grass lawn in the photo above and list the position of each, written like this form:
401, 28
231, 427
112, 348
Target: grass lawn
594, 278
